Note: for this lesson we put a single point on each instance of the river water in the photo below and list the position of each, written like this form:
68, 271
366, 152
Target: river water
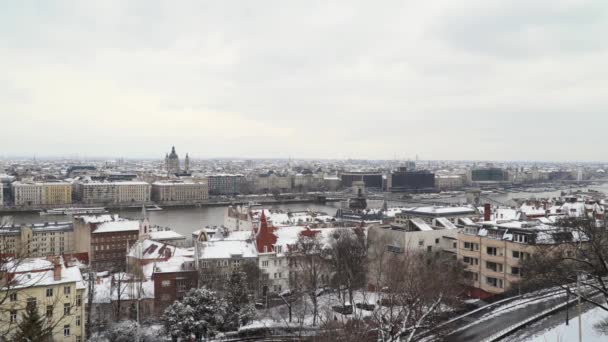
187, 220
181, 220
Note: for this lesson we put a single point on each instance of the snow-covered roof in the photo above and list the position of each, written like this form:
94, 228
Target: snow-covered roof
151, 250
166, 235
98, 218
174, 264
40, 272
440, 210
117, 226
447, 224
226, 249
420, 224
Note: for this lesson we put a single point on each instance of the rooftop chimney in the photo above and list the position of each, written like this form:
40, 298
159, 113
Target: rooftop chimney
56, 270
487, 211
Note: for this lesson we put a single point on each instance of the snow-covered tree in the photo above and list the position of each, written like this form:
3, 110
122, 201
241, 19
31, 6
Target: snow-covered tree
240, 308
126, 331
201, 313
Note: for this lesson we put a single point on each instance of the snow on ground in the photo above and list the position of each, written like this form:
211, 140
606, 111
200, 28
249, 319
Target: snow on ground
565, 333
277, 317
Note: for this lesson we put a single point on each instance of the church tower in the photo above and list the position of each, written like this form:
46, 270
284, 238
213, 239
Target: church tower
144, 224
187, 163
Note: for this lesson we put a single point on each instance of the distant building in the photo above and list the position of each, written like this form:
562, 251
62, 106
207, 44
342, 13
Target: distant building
76, 170
405, 180
269, 182
32, 194
491, 174
56, 193
27, 194
1, 195
172, 163
180, 191
109, 193
224, 184
449, 182
371, 179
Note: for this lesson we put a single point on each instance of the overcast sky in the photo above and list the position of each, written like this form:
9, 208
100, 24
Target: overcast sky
491, 80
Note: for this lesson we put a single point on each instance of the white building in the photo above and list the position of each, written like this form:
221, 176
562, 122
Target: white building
180, 191
133, 192
27, 193
449, 182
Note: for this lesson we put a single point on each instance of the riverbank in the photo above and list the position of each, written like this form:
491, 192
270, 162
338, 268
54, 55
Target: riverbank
211, 204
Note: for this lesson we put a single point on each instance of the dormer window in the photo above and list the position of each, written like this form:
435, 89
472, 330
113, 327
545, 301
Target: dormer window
265, 249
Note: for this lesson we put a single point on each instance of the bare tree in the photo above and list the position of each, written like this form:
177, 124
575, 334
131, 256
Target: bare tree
308, 269
413, 292
347, 261
119, 287
579, 250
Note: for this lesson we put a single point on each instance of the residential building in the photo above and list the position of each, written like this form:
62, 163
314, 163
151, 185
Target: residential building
170, 270
400, 238
96, 192
238, 218
37, 240
56, 193
180, 191
57, 291
27, 194
106, 238
493, 252
112, 193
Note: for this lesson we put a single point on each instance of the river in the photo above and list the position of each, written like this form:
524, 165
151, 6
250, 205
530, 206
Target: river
187, 220
181, 220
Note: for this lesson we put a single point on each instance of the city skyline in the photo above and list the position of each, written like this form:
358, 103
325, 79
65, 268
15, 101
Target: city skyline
473, 80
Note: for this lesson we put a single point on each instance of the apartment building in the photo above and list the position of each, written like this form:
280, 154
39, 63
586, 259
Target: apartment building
106, 239
27, 194
109, 193
180, 191
493, 252
56, 290
56, 193
37, 240
133, 192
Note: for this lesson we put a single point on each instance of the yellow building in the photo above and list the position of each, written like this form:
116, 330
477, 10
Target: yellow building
59, 193
56, 290
493, 252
